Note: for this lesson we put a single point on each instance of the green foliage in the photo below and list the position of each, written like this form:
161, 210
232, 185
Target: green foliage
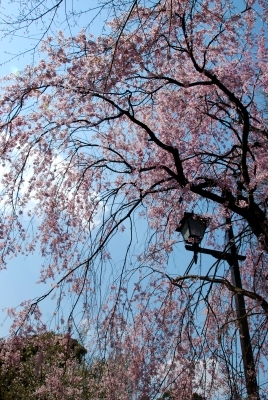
78, 350
37, 359
168, 396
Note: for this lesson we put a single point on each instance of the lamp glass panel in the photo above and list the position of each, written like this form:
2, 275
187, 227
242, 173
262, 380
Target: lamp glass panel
197, 228
185, 231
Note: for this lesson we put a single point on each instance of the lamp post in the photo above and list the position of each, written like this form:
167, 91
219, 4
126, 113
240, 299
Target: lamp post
192, 228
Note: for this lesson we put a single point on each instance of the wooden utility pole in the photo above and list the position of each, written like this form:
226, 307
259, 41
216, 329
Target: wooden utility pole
241, 312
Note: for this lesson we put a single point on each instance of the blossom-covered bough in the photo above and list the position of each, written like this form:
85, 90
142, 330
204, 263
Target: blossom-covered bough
163, 115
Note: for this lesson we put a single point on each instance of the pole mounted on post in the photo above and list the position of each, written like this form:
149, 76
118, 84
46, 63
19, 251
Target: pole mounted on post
192, 228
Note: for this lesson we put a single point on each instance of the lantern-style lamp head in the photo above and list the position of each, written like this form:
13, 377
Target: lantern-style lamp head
192, 228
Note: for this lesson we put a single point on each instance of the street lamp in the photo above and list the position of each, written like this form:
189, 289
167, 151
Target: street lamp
192, 228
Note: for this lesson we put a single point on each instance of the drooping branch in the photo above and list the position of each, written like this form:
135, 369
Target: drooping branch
223, 281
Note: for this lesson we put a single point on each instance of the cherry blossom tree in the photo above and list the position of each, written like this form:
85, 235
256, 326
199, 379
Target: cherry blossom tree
110, 134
